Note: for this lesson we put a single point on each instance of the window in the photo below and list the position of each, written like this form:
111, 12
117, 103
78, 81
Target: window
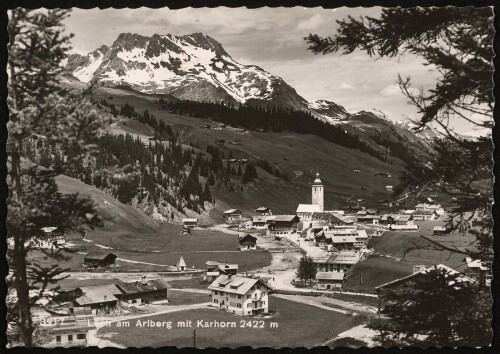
134, 301
258, 286
249, 305
81, 336
216, 301
70, 337
58, 339
238, 305
263, 303
249, 296
239, 296
215, 292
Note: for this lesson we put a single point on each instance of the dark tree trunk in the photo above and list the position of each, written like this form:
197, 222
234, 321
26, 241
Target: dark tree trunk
24, 322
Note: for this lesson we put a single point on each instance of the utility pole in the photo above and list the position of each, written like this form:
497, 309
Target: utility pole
194, 338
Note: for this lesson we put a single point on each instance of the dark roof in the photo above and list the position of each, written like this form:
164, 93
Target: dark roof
139, 287
285, 218
100, 256
97, 294
248, 239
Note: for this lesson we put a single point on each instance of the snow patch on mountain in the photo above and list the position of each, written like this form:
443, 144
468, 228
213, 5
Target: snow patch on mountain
161, 63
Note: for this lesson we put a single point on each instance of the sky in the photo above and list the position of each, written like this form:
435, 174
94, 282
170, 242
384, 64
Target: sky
274, 40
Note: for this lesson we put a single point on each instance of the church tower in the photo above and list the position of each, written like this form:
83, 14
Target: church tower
317, 192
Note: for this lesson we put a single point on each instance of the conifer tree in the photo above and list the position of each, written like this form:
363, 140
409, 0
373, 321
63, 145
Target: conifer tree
40, 109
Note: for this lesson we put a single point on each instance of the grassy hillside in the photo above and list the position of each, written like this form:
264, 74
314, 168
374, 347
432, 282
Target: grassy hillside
300, 156
124, 218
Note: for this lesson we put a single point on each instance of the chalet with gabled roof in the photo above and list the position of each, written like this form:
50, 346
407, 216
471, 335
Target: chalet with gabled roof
248, 243
240, 295
264, 211
99, 259
282, 225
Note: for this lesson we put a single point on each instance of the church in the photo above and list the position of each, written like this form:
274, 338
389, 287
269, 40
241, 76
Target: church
306, 211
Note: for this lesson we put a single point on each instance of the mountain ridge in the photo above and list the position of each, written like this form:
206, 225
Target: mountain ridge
196, 67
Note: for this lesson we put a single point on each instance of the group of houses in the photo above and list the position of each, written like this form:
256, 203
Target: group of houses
276, 226
49, 237
405, 219
105, 299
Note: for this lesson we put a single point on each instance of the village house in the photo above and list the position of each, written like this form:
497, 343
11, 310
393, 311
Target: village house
248, 243
190, 223
72, 332
282, 225
387, 219
343, 242
263, 211
403, 222
240, 295
440, 230
99, 259
418, 273
389, 188
101, 299
368, 218
477, 269
214, 269
328, 220
142, 292
339, 262
438, 209
329, 280
232, 215
424, 215
261, 222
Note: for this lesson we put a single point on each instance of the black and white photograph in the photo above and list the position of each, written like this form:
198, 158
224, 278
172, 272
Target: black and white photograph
234, 177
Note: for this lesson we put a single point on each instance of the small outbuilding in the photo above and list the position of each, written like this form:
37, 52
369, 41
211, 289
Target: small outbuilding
181, 265
190, 223
248, 243
329, 280
440, 230
99, 259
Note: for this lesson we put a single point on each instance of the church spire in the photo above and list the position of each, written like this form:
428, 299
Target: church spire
317, 180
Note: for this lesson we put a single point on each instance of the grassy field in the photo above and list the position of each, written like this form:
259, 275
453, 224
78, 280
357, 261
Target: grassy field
168, 239
411, 250
188, 283
245, 260
134, 236
177, 297
72, 283
375, 271
311, 328
411, 247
